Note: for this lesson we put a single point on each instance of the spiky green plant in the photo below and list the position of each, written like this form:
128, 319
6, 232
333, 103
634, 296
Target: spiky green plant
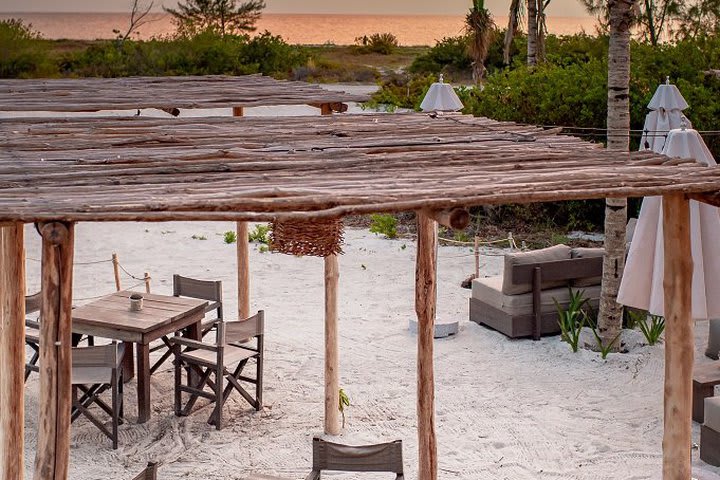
604, 349
344, 401
653, 330
481, 29
573, 318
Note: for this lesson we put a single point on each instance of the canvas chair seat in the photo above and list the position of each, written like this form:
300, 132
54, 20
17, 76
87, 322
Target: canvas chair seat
232, 355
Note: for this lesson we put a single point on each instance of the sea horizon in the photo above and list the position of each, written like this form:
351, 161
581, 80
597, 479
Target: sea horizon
297, 28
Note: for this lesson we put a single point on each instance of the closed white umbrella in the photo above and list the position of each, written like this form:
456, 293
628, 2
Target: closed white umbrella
667, 105
641, 286
441, 97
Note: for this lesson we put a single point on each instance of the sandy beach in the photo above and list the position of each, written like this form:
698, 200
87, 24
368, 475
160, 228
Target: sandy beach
506, 409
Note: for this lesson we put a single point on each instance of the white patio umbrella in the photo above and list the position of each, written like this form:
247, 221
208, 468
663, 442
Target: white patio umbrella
441, 97
666, 107
641, 286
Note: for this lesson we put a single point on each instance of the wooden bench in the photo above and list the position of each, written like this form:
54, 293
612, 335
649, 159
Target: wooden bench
705, 377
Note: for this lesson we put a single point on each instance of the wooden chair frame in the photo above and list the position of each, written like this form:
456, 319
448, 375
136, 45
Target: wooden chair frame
150, 472
215, 373
210, 290
85, 395
382, 457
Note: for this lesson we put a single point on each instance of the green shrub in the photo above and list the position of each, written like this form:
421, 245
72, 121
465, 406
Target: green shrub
402, 91
230, 237
22, 52
271, 55
652, 330
327, 71
382, 43
383, 224
259, 234
573, 318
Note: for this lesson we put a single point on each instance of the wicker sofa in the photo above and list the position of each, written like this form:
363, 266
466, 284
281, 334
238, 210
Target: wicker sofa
521, 301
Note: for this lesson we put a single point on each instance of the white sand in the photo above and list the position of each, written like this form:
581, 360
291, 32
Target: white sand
505, 409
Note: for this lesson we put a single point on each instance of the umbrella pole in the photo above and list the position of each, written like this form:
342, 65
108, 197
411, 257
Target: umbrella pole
679, 340
12, 350
425, 306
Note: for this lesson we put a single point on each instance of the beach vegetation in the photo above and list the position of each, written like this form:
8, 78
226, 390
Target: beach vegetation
222, 17
572, 318
23, 53
481, 30
259, 234
652, 327
605, 348
382, 43
343, 402
230, 237
199, 237
384, 224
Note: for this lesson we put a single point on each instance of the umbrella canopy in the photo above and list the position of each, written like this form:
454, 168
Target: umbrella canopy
667, 105
441, 97
641, 286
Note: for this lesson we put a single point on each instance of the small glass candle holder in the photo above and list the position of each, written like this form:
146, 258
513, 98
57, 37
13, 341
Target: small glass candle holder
136, 302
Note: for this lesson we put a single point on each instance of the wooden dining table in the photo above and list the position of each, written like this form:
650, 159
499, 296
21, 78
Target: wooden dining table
110, 317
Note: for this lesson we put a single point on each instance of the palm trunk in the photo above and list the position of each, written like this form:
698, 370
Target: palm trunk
541, 28
511, 30
618, 124
532, 32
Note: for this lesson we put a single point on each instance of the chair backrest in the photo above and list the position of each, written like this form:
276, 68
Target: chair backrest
382, 457
239, 331
96, 356
205, 289
32, 303
150, 473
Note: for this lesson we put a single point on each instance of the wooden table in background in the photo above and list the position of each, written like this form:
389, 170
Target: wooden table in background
110, 317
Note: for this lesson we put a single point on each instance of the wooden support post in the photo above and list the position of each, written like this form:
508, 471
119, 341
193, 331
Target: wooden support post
425, 306
12, 351
455, 218
53, 447
146, 277
477, 256
332, 369
243, 266
325, 109
116, 271
238, 112
679, 338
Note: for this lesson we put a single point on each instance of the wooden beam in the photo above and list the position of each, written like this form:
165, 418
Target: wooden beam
455, 218
711, 198
425, 305
679, 339
53, 447
238, 112
332, 369
243, 265
12, 351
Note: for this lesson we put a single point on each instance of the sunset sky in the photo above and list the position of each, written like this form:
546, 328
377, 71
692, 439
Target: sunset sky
563, 8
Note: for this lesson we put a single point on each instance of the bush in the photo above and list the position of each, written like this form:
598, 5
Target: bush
382, 43
402, 91
271, 55
327, 71
22, 52
383, 224
449, 55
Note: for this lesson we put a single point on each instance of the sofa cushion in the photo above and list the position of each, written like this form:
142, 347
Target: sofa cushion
712, 413
489, 291
551, 254
581, 252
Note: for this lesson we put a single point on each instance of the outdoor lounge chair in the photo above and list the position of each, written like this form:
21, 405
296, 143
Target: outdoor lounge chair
150, 472
210, 366
521, 302
190, 287
382, 457
94, 371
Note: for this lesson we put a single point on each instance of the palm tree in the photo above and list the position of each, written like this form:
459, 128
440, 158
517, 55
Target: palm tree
618, 125
481, 29
532, 46
513, 27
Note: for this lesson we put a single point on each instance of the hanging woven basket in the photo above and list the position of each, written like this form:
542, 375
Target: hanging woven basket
316, 238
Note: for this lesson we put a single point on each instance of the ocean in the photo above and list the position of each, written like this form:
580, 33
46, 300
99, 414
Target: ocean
309, 29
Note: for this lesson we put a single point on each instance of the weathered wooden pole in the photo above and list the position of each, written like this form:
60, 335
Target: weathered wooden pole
53, 448
12, 351
425, 305
679, 340
243, 257
332, 369
116, 271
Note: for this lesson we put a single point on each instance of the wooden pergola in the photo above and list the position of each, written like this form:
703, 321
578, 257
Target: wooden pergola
60, 172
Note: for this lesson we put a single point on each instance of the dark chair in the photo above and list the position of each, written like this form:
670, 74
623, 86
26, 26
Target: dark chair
190, 287
209, 366
94, 371
382, 457
32, 332
150, 472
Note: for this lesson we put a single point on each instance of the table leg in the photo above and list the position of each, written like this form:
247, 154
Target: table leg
128, 362
143, 382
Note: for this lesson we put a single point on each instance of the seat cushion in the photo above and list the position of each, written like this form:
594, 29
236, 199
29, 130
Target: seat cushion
232, 355
581, 252
551, 254
712, 413
489, 291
